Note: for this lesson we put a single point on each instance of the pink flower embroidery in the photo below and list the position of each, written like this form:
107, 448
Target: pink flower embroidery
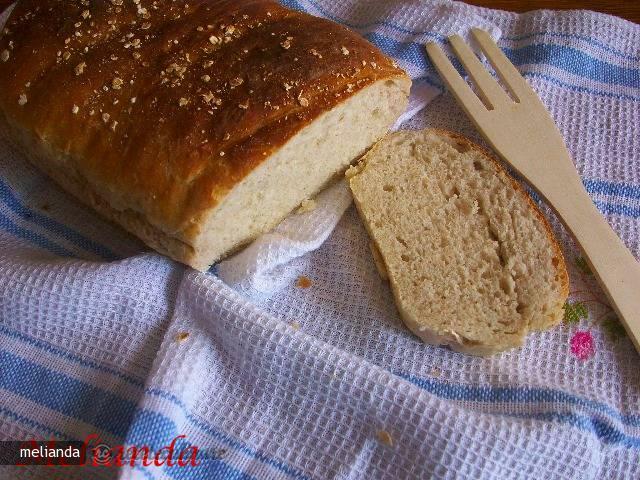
582, 345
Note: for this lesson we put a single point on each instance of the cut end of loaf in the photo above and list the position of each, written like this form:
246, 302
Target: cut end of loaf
300, 168
472, 262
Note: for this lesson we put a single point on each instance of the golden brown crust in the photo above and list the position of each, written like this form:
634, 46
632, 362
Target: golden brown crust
48, 161
162, 107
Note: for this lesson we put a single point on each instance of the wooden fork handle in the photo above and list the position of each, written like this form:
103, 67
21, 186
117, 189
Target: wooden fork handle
612, 263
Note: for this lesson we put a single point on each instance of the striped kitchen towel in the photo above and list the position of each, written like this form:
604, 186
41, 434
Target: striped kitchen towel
242, 373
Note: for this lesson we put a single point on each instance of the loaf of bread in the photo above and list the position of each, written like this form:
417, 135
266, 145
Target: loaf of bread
194, 125
471, 260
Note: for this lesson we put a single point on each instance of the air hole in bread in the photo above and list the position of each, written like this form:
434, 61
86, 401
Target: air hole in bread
388, 188
402, 241
405, 258
465, 207
503, 260
555, 261
477, 165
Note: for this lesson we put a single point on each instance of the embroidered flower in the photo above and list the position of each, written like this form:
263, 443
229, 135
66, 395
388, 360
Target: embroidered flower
582, 345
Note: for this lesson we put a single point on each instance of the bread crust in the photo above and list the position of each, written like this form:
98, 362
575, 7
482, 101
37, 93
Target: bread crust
153, 115
451, 338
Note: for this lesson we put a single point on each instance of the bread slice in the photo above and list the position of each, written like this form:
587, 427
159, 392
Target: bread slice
195, 125
472, 261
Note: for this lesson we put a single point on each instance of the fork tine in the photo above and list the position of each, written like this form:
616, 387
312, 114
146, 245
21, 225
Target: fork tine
488, 89
507, 72
455, 83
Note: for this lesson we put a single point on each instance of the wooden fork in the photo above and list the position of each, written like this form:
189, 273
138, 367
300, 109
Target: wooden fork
521, 131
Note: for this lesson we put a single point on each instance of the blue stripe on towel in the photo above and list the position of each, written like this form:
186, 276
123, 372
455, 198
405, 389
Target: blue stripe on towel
10, 200
9, 226
52, 349
516, 395
98, 407
591, 41
621, 210
156, 430
484, 393
65, 394
114, 414
574, 61
613, 189
209, 467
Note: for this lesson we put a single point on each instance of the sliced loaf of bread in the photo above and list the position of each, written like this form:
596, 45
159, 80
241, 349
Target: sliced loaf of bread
471, 260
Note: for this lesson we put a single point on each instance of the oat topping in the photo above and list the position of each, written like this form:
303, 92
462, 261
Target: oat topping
117, 83
236, 82
106, 43
287, 43
80, 68
210, 98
